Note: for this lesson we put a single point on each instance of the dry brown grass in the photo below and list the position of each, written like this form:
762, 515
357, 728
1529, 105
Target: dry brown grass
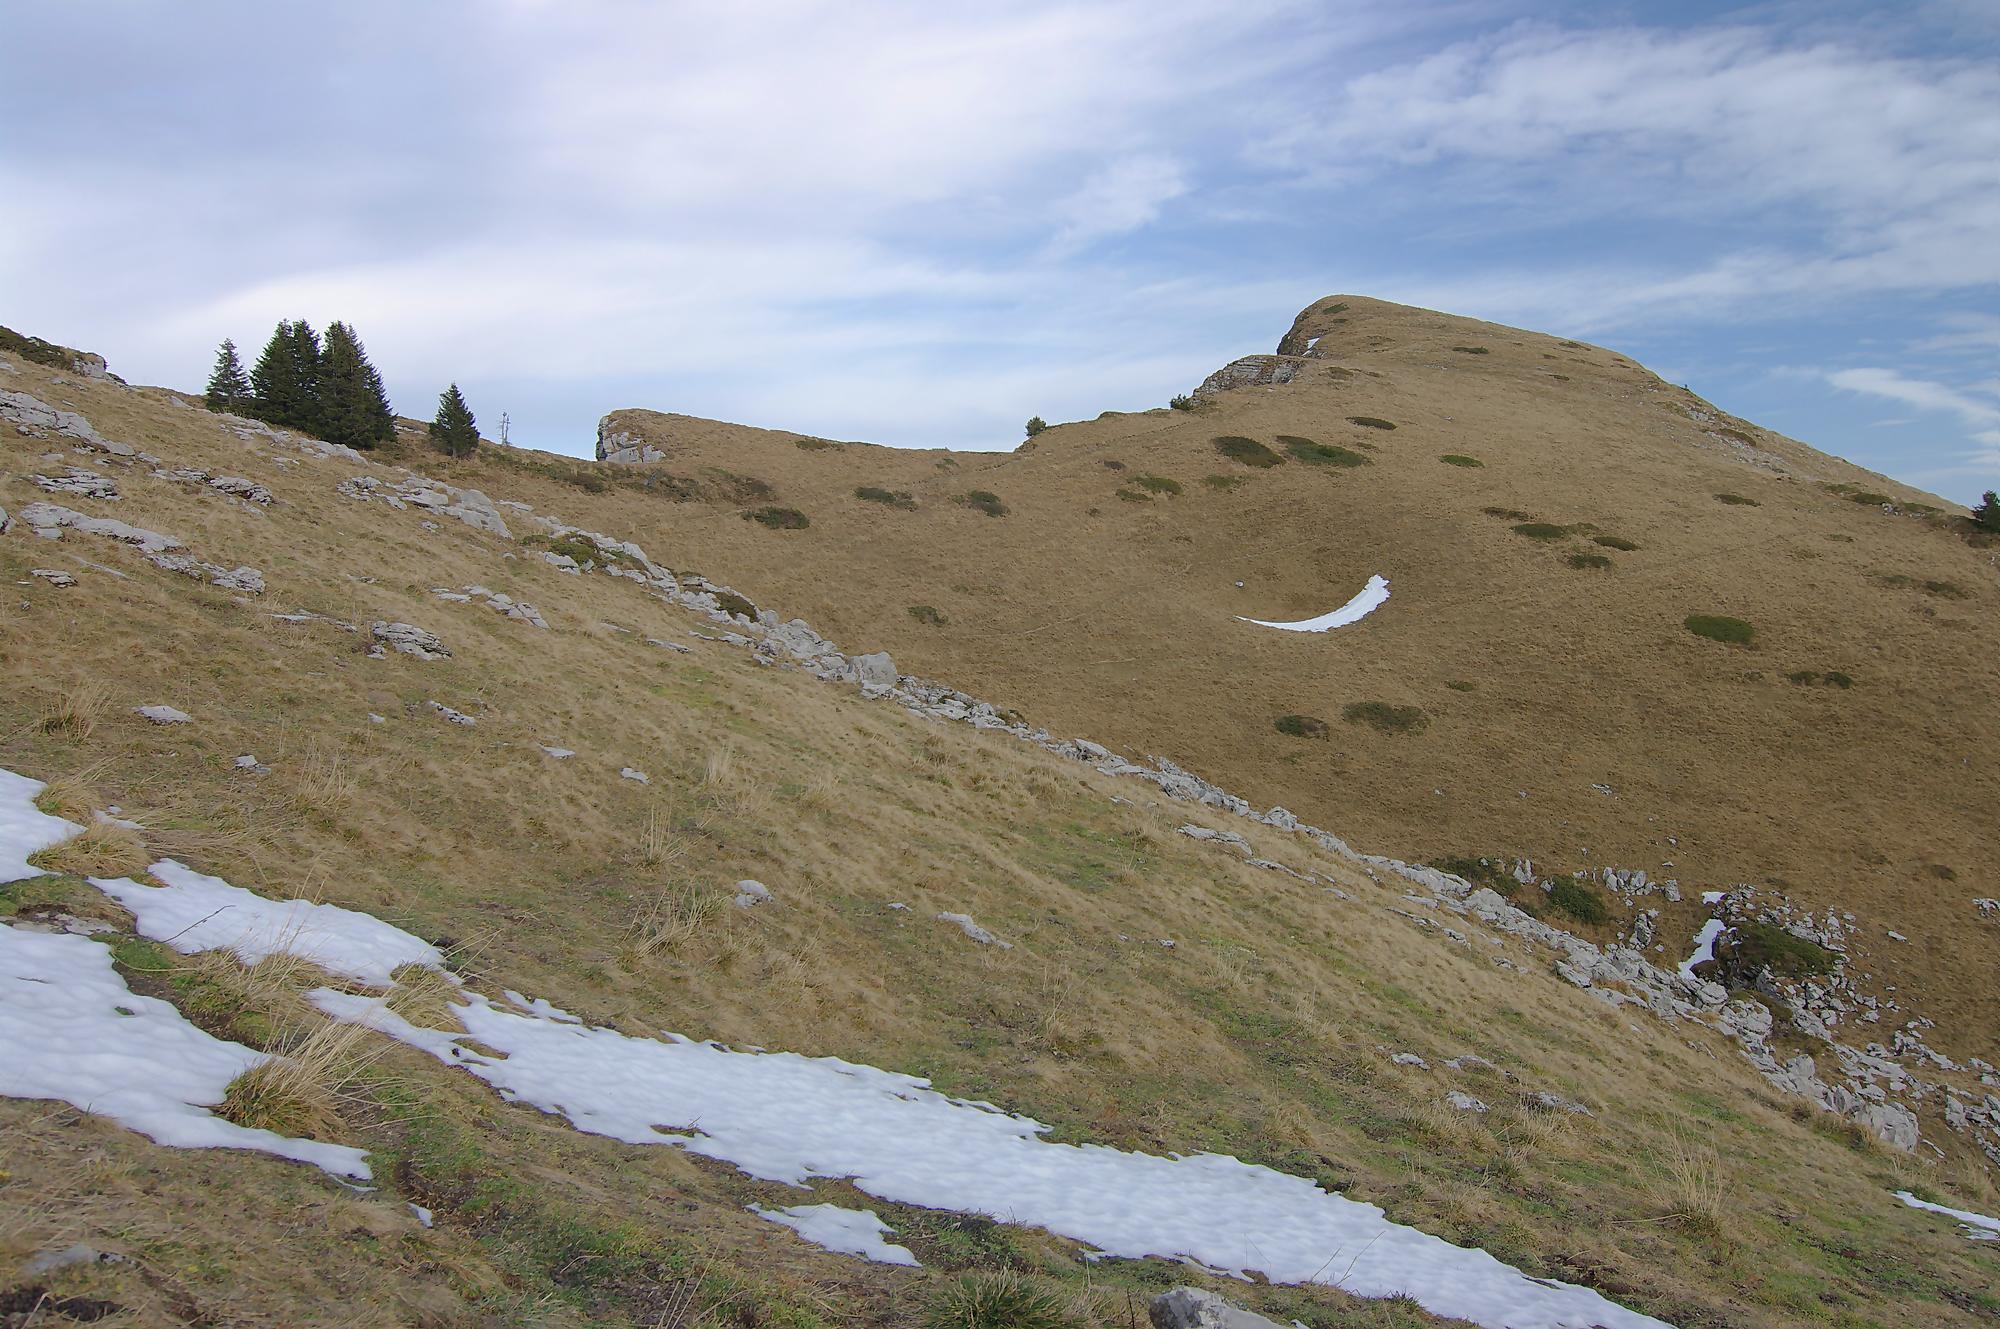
73, 711
671, 919
306, 1086
425, 996
72, 795
1694, 1191
325, 784
101, 849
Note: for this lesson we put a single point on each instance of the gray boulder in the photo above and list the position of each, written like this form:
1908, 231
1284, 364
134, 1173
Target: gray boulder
1193, 1308
875, 668
410, 639
165, 715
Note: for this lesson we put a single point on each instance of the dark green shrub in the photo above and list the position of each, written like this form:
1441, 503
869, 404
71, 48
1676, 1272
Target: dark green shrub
778, 519
1738, 501
1460, 459
1836, 679
1180, 401
1588, 561
981, 500
1542, 530
1130, 495
36, 350
895, 498
1509, 514
1460, 685
1300, 726
1157, 484
1986, 517
1248, 451
1110, 465
1472, 350
1369, 422
1722, 628
1224, 482
1320, 454
1614, 542
1579, 899
1036, 425
1480, 872
1380, 715
929, 615
997, 1301
814, 444
732, 603
1754, 947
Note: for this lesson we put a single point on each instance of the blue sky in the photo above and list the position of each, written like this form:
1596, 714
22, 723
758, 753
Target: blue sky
912, 225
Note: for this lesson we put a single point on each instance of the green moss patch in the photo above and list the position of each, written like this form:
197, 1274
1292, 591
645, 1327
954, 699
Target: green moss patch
1157, 484
1247, 451
1737, 501
1385, 718
894, 498
1370, 422
1542, 530
1320, 454
1300, 726
1614, 542
1722, 628
981, 500
1590, 561
778, 519
1460, 459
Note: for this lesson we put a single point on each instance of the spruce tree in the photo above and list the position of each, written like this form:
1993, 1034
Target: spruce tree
454, 430
286, 378
353, 409
1987, 515
228, 385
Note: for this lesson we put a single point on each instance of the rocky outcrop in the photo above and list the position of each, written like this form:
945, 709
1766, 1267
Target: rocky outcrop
409, 639
614, 445
1252, 371
39, 419
1193, 1308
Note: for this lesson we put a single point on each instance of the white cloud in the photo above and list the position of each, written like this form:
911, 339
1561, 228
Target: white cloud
1917, 392
1122, 197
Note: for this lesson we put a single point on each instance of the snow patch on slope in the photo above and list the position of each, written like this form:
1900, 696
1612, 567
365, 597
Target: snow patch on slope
1370, 598
842, 1231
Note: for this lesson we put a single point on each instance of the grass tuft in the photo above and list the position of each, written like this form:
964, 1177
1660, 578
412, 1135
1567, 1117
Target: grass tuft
997, 1301
1321, 454
671, 919
778, 519
300, 1090
1223, 482
74, 711
101, 849
1157, 484
1617, 542
928, 615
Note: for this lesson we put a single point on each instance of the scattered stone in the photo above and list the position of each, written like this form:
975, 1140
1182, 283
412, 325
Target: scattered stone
410, 639
1987, 908
1410, 1059
631, 774
39, 419
1203, 833
560, 754
750, 894
79, 483
1547, 1102
1462, 1102
669, 646
48, 520
47, 1262
165, 715
377, 719
53, 576
452, 716
248, 762
1193, 1308
974, 931
1472, 1062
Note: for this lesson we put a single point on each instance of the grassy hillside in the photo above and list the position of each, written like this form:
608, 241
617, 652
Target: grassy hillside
1693, 1191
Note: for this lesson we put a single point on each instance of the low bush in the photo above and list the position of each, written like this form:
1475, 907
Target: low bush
1300, 726
1597, 561
1460, 459
1036, 425
778, 519
1110, 465
1578, 899
997, 1301
1388, 719
1752, 948
1542, 530
1722, 628
814, 444
1370, 422
1320, 454
980, 500
1157, 484
1809, 678
895, 498
1248, 451
1480, 872
1986, 517
1738, 501
1472, 350
1614, 542
1180, 401
1223, 482
1460, 685
1509, 514
930, 615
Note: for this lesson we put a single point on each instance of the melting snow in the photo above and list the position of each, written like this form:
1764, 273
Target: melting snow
1978, 1227
842, 1231
786, 1118
71, 1030
192, 912
1704, 947
1371, 597
24, 828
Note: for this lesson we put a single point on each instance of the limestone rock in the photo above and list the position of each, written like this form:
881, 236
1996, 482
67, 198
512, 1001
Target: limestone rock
750, 894
79, 483
451, 716
410, 639
1193, 1308
1463, 1102
633, 773
53, 576
35, 417
623, 448
974, 931
165, 715
1252, 371
48, 520
559, 754
875, 668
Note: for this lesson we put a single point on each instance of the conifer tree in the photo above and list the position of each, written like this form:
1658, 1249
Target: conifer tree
1987, 515
454, 430
286, 378
228, 385
353, 409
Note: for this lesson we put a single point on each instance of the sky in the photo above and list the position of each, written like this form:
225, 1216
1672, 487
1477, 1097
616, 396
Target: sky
919, 224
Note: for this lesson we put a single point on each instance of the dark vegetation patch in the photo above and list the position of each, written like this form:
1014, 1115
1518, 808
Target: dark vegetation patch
1223, 482
1579, 899
578, 547
1110, 465
1180, 401
894, 498
814, 444
1738, 501
36, 350
980, 500
1473, 350
1542, 530
1460, 685
1486, 872
598, 477
778, 519
1370, 422
1387, 719
1300, 726
1460, 459
1509, 514
732, 603
1944, 590
1127, 494
1722, 628
1809, 678
1593, 561
1157, 484
1320, 454
1614, 542
929, 615
1748, 949
1247, 450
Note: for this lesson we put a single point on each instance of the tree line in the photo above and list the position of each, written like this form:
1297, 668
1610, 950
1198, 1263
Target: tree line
327, 387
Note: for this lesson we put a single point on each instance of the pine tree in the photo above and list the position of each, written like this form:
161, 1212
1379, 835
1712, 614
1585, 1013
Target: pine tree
228, 386
454, 429
353, 409
286, 378
1987, 515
